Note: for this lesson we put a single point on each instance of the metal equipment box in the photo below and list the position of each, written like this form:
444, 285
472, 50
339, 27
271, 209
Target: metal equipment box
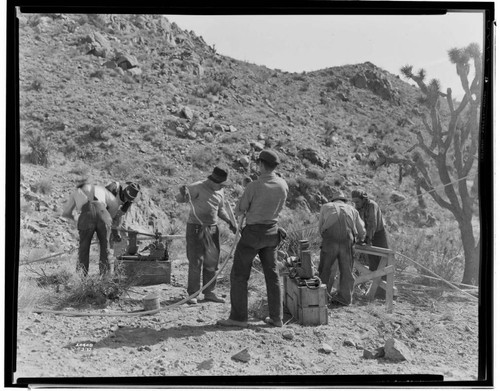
306, 304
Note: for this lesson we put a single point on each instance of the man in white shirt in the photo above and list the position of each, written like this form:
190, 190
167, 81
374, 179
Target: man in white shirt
99, 210
339, 226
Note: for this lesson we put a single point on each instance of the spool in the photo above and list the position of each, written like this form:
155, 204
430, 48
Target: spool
151, 302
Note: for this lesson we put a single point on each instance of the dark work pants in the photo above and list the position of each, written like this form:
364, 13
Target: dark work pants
94, 218
262, 240
379, 240
202, 253
337, 245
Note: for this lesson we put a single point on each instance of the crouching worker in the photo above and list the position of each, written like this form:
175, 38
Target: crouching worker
125, 196
98, 209
206, 199
339, 225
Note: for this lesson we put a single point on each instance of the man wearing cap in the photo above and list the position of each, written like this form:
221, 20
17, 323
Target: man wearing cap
339, 226
99, 211
261, 203
374, 223
126, 196
206, 199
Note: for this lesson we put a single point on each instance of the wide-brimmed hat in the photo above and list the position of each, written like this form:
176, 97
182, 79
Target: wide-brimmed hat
219, 175
359, 193
131, 190
338, 195
269, 156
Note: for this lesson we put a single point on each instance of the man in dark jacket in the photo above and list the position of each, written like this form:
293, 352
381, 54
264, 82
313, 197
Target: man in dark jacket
374, 224
261, 204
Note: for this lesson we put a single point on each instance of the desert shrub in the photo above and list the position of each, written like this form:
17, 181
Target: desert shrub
203, 158
230, 138
43, 186
40, 148
95, 132
315, 173
69, 147
213, 88
80, 170
224, 78
300, 225
127, 79
305, 86
98, 74
30, 294
95, 290
439, 252
36, 85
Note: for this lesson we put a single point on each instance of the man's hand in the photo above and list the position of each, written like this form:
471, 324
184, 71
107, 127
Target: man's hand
368, 242
115, 236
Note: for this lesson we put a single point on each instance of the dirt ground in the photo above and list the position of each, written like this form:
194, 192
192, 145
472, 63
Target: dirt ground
439, 336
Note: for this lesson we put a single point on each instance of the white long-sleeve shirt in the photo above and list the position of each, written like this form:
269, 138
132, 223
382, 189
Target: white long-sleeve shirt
80, 197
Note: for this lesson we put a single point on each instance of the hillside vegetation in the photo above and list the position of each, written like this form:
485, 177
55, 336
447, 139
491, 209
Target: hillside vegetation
134, 97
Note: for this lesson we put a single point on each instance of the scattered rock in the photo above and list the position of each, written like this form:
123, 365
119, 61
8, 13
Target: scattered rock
396, 350
397, 197
243, 356
205, 365
288, 334
325, 348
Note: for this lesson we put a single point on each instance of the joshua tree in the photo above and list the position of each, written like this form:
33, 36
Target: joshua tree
450, 146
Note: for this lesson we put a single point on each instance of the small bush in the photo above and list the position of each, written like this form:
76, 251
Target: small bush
315, 173
43, 186
36, 85
95, 132
40, 148
30, 294
98, 74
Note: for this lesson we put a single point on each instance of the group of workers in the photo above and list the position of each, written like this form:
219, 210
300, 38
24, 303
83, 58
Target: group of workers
340, 226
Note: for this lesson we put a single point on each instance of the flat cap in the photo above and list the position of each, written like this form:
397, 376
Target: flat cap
269, 156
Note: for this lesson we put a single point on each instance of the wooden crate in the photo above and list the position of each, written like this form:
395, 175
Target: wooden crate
147, 272
306, 305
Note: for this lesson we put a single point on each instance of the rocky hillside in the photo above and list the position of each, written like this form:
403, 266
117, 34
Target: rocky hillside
134, 97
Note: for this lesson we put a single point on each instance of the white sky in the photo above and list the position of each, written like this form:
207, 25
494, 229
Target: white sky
297, 43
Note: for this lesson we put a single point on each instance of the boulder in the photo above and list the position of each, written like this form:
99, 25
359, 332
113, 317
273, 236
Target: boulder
396, 350
126, 61
313, 156
397, 197
242, 356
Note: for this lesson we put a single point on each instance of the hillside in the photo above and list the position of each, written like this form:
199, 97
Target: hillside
136, 98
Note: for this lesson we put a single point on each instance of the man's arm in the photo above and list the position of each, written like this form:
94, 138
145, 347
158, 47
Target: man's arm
360, 227
244, 202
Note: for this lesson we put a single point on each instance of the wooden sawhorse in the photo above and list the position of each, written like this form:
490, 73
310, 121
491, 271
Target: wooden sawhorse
385, 268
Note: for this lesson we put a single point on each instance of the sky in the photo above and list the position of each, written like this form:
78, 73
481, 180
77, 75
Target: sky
297, 43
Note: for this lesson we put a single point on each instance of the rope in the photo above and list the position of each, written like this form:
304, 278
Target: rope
438, 276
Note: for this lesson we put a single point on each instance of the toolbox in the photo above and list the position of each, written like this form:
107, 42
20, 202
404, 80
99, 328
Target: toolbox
306, 303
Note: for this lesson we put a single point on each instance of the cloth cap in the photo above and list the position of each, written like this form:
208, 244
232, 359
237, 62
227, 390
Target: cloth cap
131, 190
219, 175
269, 156
358, 193
338, 195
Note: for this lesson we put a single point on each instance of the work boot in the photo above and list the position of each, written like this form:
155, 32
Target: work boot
231, 323
213, 297
274, 323
193, 300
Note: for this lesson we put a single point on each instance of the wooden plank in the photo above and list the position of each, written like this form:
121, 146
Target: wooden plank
365, 249
389, 292
376, 281
377, 273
